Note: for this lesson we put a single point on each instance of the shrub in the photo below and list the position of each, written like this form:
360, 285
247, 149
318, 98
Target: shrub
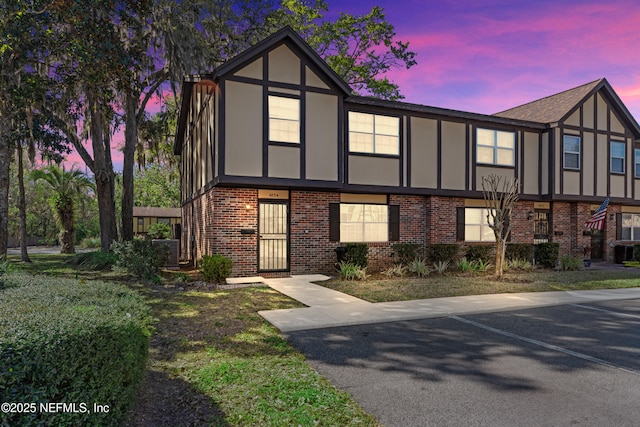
90, 242
419, 267
215, 268
357, 254
480, 253
443, 252
465, 266
140, 257
521, 251
482, 266
440, 267
570, 263
159, 230
398, 270
349, 271
519, 264
404, 253
546, 254
96, 260
62, 341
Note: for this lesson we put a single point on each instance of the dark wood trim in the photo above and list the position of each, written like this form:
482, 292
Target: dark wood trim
265, 115
401, 151
342, 160
439, 150
552, 162
222, 129
303, 122
470, 171
379, 156
540, 168
282, 85
409, 143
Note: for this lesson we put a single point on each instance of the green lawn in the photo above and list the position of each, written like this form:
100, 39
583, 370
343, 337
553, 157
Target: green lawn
455, 284
214, 361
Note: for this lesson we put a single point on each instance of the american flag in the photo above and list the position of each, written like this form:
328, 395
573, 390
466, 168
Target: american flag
597, 219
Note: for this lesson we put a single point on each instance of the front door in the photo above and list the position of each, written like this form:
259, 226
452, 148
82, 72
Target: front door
273, 236
597, 243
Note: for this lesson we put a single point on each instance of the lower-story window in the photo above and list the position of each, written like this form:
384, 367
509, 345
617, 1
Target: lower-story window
473, 225
364, 223
631, 227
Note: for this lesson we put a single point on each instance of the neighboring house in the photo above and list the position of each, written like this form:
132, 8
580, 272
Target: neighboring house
143, 217
281, 164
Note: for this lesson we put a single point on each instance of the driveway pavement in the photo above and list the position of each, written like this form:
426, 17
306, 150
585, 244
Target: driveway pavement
534, 359
576, 364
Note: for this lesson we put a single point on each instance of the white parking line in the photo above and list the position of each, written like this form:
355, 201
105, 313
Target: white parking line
546, 345
606, 311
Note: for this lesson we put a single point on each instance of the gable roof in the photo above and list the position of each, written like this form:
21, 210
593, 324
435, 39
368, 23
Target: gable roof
555, 108
285, 34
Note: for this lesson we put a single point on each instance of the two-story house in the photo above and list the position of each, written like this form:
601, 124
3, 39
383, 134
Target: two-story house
281, 163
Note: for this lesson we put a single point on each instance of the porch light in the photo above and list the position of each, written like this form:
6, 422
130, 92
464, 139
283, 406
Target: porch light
247, 206
530, 215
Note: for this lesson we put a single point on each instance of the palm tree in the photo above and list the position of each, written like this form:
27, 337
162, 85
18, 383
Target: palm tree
67, 187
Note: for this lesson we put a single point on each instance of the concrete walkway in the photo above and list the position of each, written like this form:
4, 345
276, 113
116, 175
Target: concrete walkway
329, 308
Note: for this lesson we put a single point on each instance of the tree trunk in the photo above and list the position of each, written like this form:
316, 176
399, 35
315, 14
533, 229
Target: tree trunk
68, 229
104, 175
5, 162
130, 140
22, 207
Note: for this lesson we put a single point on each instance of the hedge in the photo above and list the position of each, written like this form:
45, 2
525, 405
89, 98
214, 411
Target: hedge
546, 254
64, 341
442, 252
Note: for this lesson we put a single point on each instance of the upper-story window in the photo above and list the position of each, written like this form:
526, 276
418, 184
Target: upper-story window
284, 119
617, 157
637, 162
496, 147
571, 152
373, 133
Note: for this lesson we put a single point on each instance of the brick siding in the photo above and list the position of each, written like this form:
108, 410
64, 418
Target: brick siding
216, 219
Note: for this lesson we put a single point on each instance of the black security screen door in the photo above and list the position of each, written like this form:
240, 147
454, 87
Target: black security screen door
273, 242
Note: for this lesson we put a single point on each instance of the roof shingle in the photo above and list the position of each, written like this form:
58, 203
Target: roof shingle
552, 108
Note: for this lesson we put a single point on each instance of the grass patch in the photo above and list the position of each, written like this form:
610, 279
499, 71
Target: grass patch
214, 361
404, 289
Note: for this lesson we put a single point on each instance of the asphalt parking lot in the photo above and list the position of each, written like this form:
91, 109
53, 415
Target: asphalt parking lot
554, 366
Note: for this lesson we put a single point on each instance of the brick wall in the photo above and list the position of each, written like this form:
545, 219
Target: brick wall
217, 218
441, 219
311, 251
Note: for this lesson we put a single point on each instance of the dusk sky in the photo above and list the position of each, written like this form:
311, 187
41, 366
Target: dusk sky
486, 56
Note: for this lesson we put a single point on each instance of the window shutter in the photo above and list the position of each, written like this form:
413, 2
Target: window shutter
334, 222
394, 223
460, 223
618, 226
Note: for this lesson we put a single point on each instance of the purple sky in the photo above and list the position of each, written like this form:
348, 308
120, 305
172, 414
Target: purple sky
485, 56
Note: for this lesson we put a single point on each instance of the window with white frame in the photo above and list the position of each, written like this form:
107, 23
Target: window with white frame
571, 152
637, 162
374, 133
364, 223
495, 147
476, 226
617, 156
284, 119
630, 227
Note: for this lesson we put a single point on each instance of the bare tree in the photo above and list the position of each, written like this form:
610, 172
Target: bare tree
500, 195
